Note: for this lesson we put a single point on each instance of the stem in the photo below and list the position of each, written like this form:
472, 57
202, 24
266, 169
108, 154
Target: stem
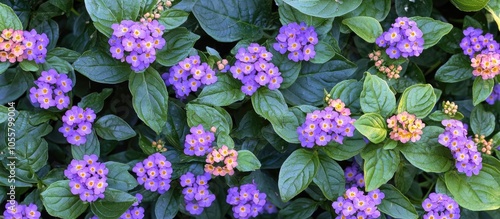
75, 12
430, 188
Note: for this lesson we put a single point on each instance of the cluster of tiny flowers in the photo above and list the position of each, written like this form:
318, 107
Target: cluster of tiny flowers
136, 42
494, 96
297, 39
486, 65
392, 71
450, 108
405, 127
87, 178
13, 210
439, 205
356, 205
404, 39
254, 69
158, 146
51, 90
196, 193
18, 45
223, 65
247, 201
135, 211
486, 146
464, 150
221, 161
157, 10
77, 123
154, 173
189, 75
322, 126
199, 142
475, 42
354, 177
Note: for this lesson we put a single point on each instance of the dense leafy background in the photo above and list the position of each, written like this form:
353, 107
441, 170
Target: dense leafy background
135, 109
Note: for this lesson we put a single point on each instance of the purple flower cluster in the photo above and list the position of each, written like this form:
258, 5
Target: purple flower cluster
188, 76
254, 69
199, 142
247, 201
87, 178
17, 45
404, 38
354, 176
196, 193
464, 149
475, 42
154, 173
77, 123
51, 90
323, 126
14, 210
440, 206
136, 42
297, 39
135, 211
355, 204
494, 96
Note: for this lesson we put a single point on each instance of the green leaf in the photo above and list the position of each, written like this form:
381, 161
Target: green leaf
173, 18
297, 172
418, 99
13, 84
373, 126
219, 118
410, 75
60, 65
330, 177
149, 98
232, 20
493, 7
250, 126
168, 204
4, 66
314, 78
179, 42
9, 19
106, 13
478, 192
456, 69
95, 100
481, 90
60, 202
299, 209
247, 161
64, 53
114, 204
289, 69
289, 14
111, 127
404, 176
465, 5
271, 105
439, 116
349, 148
91, 146
367, 28
432, 30
324, 8
408, 8
349, 92
379, 166
100, 67
118, 176
396, 204
324, 52
225, 91
31, 148
64, 5
372, 8
482, 122
4, 113
176, 125
377, 97
427, 153
27, 65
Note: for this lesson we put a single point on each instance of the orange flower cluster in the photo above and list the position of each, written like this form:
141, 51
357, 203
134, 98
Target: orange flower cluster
405, 127
486, 65
222, 155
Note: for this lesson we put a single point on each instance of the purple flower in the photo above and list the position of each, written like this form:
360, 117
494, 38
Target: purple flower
297, 39
196, 193
154, 173
357, 204
14, 210
247, 201
85, 179
77, 123
51, 91
494, 96
440, 204
404, 38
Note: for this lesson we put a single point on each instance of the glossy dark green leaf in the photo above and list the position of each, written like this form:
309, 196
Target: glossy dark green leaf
111, 127
408, 8
60, 202
330, 177
173, 18
349, 92
114, 204
247, 161
481, 90
100, 67
95, 100
149, 98
465, 5
106, 13
118, 176
225, 91
432, 30
482, 122
379, 166
13, 85
299, 209
197, 114
396, 204
168, 204
179, 41
232, 20
367, 28
373, 8
289, 14
456, 69
377, 97
324, 8
91, 146
297, 173
350, 147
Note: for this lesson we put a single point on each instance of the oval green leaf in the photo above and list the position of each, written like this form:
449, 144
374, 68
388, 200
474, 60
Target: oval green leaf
372, 126
418, 99
297, 172
367, 28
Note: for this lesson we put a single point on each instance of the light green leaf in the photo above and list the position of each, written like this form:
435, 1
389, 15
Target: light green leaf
9, 19
379, 166
100, 67
297, 172
372, 126
456, 69
377, 97
433, 30
367, 28
481, 90
225, 91
324, 8
466, 5
109, 12
179, 42
396, 204
247, 161
114, 204
60, 202
173, 18
482, 122
330, 177
418, 99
